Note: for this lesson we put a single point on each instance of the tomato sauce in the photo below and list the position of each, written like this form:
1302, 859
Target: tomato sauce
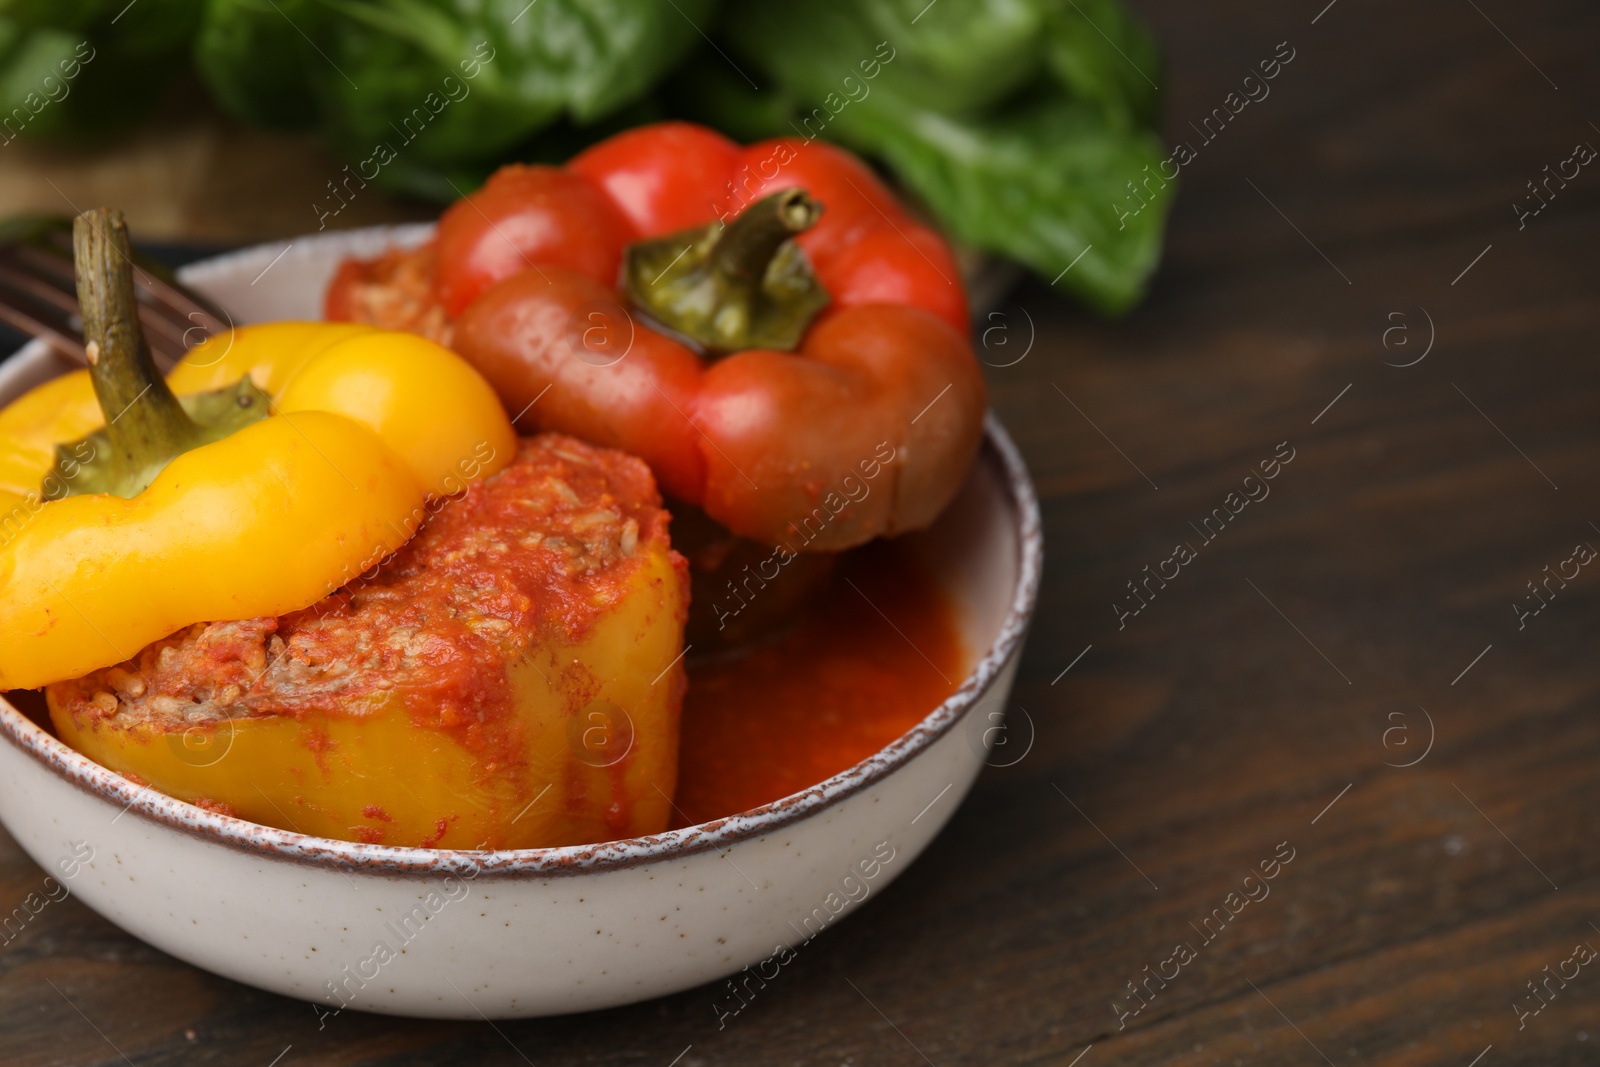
877, 652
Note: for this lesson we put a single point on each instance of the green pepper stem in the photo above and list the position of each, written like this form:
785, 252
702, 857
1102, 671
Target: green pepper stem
749, 242
145, 425
745, 284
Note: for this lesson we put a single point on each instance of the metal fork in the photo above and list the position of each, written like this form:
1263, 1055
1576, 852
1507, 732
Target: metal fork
39, 296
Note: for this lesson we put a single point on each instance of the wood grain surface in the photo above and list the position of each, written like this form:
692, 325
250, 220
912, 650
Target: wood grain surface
1359, 617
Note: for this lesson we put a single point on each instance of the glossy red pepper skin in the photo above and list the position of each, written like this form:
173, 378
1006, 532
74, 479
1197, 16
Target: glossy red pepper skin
525, 217
664, 178
866, 430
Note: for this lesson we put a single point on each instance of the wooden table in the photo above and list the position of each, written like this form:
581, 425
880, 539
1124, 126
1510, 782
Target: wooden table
1359, 618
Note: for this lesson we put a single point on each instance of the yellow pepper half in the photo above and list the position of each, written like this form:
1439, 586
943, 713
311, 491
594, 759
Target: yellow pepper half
584, 770
365, 424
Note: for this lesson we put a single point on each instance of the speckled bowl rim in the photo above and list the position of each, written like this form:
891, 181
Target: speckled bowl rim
998, 451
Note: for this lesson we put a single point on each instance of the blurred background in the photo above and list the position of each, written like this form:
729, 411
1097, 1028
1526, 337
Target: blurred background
1017, 124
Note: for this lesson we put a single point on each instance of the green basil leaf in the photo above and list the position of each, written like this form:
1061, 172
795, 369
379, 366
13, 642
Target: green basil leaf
162, 28
953, 56
1052, 185
1025, 126
1100, 53
512, 68
72, 83
255, 57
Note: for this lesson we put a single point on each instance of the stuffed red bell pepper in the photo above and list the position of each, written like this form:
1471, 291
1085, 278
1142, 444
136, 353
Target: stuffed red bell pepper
766, 326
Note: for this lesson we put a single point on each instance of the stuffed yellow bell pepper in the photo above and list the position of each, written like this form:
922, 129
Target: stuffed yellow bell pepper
221, 582
508, 680
253, 499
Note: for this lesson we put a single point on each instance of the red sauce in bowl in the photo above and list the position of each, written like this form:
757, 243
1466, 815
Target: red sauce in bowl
877, 652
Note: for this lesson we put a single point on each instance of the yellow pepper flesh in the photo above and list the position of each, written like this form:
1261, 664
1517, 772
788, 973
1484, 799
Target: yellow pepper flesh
93, 579
265, 521
590, 773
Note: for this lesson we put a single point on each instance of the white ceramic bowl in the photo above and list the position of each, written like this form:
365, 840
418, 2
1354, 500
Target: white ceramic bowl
457, 934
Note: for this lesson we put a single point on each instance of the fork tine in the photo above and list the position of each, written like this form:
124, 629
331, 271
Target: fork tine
43, 261
156, 287
48, 278
38, 287
167, 339
62, 344
45, 246
56, 321
156, 297
184, 306
155, 290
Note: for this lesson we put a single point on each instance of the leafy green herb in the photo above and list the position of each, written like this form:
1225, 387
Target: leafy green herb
1024, 125
1027, 127
252, 55
73, 69
447, 85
